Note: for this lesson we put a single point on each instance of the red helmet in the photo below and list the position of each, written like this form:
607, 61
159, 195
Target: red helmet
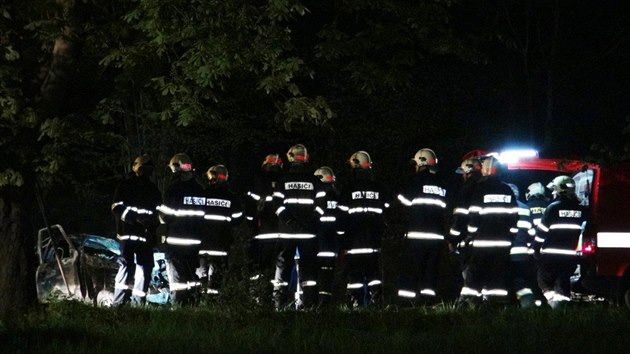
272, 160
474, 154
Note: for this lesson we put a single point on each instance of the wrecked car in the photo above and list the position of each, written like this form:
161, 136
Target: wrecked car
83, 267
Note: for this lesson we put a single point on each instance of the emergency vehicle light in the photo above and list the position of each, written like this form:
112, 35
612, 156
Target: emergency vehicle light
507, 156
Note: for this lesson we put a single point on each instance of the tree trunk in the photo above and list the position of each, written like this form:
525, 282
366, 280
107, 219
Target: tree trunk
17, 257
17, 280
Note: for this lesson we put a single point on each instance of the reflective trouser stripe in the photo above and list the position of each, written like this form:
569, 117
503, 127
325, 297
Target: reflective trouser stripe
131, 237
407, 294
360, 285
267, 236
213, 253
429, 292
523, 292
183, 286
466, 291
277, 283
554, 296
494, 292
139, 293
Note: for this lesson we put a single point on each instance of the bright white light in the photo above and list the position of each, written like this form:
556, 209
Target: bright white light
508, 156
613, 239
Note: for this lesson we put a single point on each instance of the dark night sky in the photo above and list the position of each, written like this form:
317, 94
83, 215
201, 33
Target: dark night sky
591, 77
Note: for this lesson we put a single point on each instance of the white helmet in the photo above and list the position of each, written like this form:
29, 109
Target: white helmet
180, 163
325, 174
469, 166
217, 174
425, 157
563, 185
298, 153
534, 189
361, 159
142, 165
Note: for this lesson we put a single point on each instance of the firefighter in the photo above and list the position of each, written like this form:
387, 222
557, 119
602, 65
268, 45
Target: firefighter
135, 212
426, 199
522, 267
260, 211
327, 233
470, 170
536, 201
362, 202
296, 209
183, 214
222, 213
556, 241
492, 220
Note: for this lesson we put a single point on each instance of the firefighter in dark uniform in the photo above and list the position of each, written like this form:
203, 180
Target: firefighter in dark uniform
556, 241
222, 213
536, 201
470, 169
522, 267
327, 235
183, 214
362, 203
493, 216
135, 211
260, 212
426, 199
296, 209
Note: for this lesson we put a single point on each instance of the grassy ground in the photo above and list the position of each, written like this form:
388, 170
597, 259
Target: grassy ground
67, 327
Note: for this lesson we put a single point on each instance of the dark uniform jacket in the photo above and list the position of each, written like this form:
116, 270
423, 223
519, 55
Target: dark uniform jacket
327, 200
295, 201
522, 246
426, 199
537, 205
362, 202
183, 212
135, 209
559, 230
459, 223
260, 207
493, 214
223, 211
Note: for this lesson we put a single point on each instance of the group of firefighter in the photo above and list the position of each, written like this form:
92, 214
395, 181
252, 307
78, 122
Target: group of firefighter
302, 223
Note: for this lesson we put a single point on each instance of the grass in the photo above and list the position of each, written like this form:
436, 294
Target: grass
69, 327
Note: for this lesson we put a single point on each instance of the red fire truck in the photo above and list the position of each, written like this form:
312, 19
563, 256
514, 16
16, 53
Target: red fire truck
604, 248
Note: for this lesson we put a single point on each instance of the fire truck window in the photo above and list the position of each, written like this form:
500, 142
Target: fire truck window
583, 184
